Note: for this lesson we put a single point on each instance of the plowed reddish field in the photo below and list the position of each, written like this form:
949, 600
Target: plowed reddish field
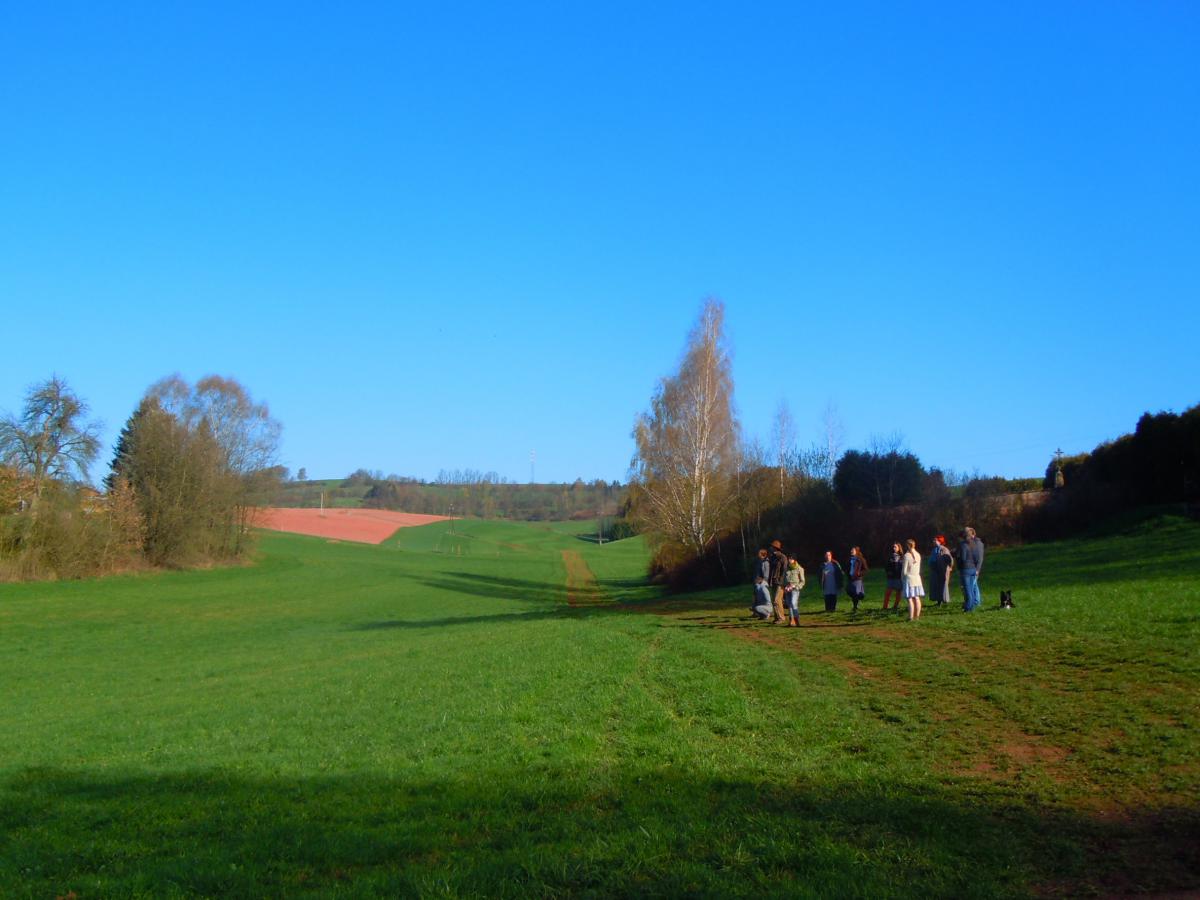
368, 526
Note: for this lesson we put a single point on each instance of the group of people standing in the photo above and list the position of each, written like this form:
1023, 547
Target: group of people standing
776, 571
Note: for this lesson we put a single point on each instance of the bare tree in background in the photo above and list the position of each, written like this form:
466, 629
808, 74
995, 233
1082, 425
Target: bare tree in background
783, 440
244, 430
50, 440
685, 465
834, 435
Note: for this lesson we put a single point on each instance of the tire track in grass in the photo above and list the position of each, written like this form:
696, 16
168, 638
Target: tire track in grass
582, 587
1006, 751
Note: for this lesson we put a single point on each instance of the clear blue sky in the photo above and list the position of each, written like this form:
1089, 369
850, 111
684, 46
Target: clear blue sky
439, 235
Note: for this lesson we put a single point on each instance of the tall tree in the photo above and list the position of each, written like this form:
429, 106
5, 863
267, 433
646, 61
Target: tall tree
783, 440
198, 460
685, 464
50, 440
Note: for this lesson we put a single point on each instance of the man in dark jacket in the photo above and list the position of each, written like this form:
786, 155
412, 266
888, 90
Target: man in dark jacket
778, 580
970, 565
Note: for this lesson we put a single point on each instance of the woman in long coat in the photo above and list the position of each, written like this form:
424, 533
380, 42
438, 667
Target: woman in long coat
910, 577
832, 578
941, 563
857, 571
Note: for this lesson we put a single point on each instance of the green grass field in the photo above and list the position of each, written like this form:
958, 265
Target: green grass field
497, 709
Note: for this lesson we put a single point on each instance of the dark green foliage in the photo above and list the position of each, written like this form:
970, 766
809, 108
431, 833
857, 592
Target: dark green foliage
866, 479
1158, 463
618, 529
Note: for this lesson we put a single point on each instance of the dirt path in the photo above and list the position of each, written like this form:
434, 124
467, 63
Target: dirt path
582, 589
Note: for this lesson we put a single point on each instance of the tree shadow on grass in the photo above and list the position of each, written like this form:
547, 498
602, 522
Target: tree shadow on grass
495, 587
562, 612
529, 591
551, 832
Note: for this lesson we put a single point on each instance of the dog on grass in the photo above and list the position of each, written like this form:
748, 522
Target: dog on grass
1006, 600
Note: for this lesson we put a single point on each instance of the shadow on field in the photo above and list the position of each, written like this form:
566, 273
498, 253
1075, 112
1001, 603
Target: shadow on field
563, 612
493, 587
521, 589
549, 831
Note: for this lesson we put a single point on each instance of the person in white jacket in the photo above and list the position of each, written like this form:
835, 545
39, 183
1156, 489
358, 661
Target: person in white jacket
910, 579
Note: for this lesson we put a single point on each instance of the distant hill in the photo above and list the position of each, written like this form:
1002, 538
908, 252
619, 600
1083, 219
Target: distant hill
483, 498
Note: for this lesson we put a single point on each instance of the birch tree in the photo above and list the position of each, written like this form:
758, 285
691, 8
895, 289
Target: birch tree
783, 440
685, 465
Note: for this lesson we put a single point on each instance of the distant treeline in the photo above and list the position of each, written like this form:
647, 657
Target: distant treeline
462, 493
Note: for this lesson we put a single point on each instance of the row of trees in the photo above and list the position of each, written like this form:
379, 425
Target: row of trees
189, 467
468, 493
708, 499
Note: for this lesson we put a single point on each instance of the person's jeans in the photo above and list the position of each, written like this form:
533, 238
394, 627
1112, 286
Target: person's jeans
762, 600
970, 589
792, 602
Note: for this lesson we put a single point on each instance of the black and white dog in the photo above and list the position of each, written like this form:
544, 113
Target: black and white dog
1006, 600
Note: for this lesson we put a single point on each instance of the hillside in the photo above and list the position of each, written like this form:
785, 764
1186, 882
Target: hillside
508, 709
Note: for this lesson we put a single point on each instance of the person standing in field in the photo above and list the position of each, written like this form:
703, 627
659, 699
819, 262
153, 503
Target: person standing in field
910, 576
795, 584
891, 569
941, 563
761, 605
970, 565
832, 578
778, 579
857, 571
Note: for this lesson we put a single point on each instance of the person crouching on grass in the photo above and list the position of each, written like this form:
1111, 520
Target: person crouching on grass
760, 608
795, 584
832, 578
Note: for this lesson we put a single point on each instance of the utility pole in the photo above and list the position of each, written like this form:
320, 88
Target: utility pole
532, 460
1059, 480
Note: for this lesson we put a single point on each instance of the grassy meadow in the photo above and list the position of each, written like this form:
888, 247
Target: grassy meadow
500, 709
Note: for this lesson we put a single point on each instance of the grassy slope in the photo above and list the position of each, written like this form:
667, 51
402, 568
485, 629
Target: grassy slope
431, 716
